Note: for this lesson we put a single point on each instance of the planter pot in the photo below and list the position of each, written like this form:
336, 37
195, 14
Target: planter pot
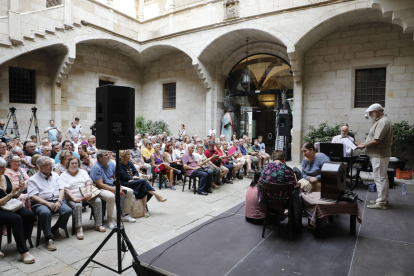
398, 164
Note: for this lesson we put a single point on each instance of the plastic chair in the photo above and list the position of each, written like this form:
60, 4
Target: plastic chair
9, 235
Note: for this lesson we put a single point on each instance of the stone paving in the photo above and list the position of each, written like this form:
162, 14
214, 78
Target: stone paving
181, 212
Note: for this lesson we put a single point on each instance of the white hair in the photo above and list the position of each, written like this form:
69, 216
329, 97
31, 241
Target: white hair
41, 161
3, 163
222, 136
191, 145
45, 147
16, 150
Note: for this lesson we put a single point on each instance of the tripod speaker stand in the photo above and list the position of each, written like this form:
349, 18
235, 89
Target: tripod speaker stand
34, 119
115, 115
12, 116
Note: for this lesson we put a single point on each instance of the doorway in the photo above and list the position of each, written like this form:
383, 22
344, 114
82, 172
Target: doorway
256, 83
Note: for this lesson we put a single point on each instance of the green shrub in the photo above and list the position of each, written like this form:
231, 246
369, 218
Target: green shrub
403, 140
322, 133
142, 126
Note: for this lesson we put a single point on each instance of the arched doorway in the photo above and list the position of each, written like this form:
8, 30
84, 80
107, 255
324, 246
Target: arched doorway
257, 83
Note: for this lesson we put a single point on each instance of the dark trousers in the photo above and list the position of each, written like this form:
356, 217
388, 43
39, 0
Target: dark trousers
21, 223
45, 217
205, 180
231, 168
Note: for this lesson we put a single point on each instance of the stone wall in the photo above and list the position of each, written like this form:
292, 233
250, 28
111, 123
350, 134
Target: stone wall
330, 75
191, 94
40, 61
79, 89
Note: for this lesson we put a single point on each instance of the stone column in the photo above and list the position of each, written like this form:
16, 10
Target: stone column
67, 14
56, 105
297, 122
141, 10
14, 22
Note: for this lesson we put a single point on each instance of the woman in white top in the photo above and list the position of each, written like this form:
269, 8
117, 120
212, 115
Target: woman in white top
72, 180
181, 133
186, 141
63, 157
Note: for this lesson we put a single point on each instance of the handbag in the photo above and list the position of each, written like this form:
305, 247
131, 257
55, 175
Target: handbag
137, 210
95, 192
12, 205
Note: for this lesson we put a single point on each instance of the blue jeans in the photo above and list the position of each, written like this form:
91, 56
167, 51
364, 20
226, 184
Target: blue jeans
231, 168
45, 217
205, 180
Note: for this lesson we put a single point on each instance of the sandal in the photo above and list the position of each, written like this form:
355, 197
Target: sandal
162, 199
229, 181
28, 259
79, 234
172, 188
100, 229
146, 215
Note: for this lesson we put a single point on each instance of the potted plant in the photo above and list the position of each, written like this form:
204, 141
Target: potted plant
402, 144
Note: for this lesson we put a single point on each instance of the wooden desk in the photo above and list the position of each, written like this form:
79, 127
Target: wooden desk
316, 209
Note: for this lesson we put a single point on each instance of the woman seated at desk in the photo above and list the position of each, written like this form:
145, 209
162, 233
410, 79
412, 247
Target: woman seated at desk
311, 168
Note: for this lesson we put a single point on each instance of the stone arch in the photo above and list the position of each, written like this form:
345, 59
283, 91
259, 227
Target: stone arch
256, 48
153, 52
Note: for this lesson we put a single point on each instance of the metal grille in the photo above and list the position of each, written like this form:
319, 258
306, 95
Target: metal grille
52, 3
103, 82
169, 96
22, 85
370, 87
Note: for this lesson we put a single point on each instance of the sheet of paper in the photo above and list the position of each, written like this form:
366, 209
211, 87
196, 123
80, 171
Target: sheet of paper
349, 143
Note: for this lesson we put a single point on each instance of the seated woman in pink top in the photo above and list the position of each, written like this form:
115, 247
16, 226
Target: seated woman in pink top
254, 211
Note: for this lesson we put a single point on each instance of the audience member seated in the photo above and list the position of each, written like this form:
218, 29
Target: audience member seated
262, 158
22, 220
157, 160
138, 160
186, 141
72, 180
236, 165
66, 145
234, 137
17, 175
237, 155
254, 156
207, 166
30, 151
45, 151
216, 161
91, 147
4, 153
55, 149
24, 164
192, 169
246, 156
311, 168
17, 142
46, 194
86, 162
34, 170
63, 158
171, 159
103, 175
147, 152
224, 163
179, 152
262, 147
130, 178
254, 211
45, 143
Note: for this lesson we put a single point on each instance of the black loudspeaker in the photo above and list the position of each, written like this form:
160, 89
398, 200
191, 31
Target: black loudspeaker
115, 116
285, 124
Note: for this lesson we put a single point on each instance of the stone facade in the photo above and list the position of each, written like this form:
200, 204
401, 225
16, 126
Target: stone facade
330, 75
324, 42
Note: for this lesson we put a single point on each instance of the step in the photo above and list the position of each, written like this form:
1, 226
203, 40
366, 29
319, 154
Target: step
16, 41
68, 27
6, 44
48, 31
31, 38
77, 24
60, 28
42, 35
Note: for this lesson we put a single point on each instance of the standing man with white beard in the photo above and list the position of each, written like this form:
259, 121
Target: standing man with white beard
378, 148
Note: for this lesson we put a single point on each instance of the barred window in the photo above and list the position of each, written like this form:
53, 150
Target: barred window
52, 3
103, 82
22, 85
169, 96
370, 87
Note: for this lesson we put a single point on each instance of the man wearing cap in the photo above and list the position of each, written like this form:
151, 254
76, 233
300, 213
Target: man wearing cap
378, 148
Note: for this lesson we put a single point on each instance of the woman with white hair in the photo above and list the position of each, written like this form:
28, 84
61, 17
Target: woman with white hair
72, 180
21, 220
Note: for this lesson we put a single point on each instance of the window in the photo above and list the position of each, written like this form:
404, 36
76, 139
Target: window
103, 82
169, 96
370, 87
52, 3
22, 87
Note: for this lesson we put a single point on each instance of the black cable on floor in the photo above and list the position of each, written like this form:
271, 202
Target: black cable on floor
157, 257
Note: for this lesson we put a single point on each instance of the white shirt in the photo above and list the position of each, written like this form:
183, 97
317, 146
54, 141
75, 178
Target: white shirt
73, 183
76, 145
45, 188
339, 139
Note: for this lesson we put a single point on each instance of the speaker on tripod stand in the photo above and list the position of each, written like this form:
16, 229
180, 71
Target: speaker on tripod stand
115, 119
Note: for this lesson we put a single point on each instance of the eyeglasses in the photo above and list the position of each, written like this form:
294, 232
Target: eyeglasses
3, 147
30, 146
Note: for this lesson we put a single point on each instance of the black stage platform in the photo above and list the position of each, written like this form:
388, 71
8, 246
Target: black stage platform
384, 245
